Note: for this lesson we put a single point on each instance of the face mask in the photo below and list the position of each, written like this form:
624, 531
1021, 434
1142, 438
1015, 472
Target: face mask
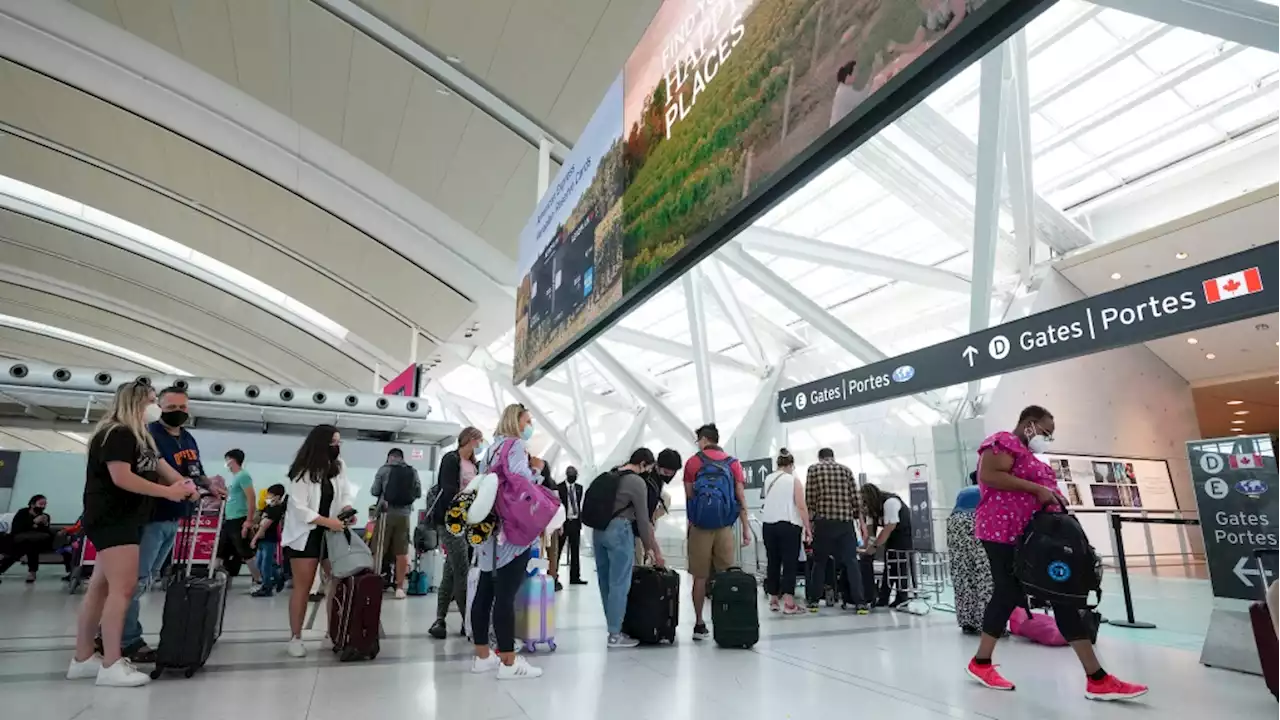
527, 433
571, 478
174, 418
1039, 444
152, 413
334, 451
273, 501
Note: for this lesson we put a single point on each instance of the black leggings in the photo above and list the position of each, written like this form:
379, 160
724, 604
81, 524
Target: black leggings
30, 547
782, 547
1007, 594
496, 593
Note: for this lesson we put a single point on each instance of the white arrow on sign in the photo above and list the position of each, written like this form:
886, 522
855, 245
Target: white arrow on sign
1243, 572
786, 404
969, 353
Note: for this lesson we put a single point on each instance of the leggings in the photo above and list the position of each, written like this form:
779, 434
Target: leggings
782, 547
1007, 593
496, 592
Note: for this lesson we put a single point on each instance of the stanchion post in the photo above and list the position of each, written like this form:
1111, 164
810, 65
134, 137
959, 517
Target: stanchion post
1129, 621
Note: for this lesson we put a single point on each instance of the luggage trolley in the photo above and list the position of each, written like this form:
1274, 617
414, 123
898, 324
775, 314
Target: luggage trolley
920, 576
197, 537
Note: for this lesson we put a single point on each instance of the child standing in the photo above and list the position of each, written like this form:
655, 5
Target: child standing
267, 542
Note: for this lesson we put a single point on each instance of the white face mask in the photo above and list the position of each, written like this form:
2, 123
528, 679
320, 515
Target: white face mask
1038, 443
152, 413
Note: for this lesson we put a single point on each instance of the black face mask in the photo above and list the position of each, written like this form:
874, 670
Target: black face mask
334, 451
571, 479
174, 418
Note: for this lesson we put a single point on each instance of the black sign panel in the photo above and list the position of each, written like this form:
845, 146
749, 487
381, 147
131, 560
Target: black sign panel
921, 517
1220, 291
755, 471
9, 468
1236, 494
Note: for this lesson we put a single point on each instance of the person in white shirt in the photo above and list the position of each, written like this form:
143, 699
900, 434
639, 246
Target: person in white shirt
847, 97
891, 523
786, 526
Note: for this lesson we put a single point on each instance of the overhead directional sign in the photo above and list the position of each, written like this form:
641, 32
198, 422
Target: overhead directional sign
1235, 482
1220, 291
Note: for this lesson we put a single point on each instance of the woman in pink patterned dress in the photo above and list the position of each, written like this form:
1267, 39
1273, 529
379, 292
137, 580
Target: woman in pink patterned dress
1014, 485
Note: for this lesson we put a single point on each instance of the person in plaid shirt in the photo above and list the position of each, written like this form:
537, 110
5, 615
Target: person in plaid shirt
831, 493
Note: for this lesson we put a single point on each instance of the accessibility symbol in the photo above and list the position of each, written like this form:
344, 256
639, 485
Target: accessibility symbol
998, 348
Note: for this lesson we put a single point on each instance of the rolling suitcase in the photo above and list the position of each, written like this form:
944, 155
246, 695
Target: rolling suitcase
355, 614
1264, 631
193, 611
653, 605
536, 612
735, 617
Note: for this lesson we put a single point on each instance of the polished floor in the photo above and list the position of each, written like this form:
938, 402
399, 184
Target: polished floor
832, 665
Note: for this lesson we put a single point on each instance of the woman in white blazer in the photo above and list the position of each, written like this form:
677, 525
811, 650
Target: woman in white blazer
318, 493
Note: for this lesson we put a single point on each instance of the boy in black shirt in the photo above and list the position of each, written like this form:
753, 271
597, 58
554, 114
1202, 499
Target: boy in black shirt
267, 542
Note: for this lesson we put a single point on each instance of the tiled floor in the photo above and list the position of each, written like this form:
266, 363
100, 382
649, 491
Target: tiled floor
831, 665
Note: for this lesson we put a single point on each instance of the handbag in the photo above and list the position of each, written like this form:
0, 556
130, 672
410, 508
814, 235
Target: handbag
348, 554
526, 508
478, 496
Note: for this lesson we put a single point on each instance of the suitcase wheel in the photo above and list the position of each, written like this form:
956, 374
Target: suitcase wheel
188, 672
155, 674
531, 647
551, 645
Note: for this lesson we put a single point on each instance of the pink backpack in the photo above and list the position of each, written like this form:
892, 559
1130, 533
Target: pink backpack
1038, 628
526, 508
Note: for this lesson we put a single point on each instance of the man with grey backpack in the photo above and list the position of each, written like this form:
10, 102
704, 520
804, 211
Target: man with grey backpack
397, 487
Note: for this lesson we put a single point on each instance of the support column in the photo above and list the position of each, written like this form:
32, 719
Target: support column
692, 282
727, 300
582, 424
544, 167
1017, 153
680, 434
413, 345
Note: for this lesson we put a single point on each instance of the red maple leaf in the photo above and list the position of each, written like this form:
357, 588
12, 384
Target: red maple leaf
1231, 285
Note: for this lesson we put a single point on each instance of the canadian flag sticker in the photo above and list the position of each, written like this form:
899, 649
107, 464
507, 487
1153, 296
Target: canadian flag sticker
1245, 282
1247, 461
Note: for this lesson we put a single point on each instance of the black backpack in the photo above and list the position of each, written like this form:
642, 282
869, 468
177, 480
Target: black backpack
398, 489
1056, 563
597, 502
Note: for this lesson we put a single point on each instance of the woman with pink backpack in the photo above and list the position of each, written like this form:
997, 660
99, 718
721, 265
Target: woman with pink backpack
524, 507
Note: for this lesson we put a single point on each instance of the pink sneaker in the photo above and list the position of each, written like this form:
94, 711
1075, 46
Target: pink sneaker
988, 676
1113, 688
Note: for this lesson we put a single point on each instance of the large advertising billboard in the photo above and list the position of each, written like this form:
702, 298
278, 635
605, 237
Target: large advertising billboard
721, 110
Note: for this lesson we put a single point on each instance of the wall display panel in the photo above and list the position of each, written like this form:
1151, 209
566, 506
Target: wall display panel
723, 108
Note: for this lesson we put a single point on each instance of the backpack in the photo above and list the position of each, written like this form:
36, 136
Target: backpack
597, 502
397, 491
526, 508
713, 504
1055, 562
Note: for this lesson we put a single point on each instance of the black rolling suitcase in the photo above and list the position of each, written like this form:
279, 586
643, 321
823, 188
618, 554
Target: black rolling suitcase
193, 610
735, 617
653, 605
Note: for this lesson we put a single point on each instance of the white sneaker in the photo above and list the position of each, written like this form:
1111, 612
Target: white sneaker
254, 587
518, 670
121, 673
84, 669
295, 648
400, 594
622, 641
481, 666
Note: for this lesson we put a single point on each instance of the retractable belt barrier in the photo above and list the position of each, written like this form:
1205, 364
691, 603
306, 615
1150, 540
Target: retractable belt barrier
1116, 527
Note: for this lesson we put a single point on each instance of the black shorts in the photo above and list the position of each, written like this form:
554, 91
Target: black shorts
313, 550
231, 544
109, 535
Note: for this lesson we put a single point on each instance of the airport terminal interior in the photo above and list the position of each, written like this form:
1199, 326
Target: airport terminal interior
878, 228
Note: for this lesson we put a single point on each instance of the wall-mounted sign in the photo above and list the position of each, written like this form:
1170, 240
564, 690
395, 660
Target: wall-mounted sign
1220, 291
1235, 482
921, 509
723, 108
407, 383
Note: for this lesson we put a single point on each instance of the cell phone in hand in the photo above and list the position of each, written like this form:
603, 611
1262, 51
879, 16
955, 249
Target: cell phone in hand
347, 515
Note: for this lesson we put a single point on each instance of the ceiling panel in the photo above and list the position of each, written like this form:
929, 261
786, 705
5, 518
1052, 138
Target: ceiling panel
163, 343
469, 31
478, 173
511, 212
204, 31
13, 438
376, 96
428, 137
190, 170
1246, 347
152, 21
320, 58
105, 9
1244, 406
260, 35
23, 345
56, 252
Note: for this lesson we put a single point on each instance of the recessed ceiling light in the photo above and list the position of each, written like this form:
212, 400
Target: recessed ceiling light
1237, 422
1240, 412
453, 59
1210, 356
1116, 276
1180, 255
1235, 402
1192, 341
1237, 429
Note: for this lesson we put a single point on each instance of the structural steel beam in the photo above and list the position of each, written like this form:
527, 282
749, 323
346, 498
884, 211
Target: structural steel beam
629, 441
986, 224
1017, 153
726, 301
692, 282
581, 422
777, 242
447, 74
646, 341
637, 389
1100, 65
746, 439
540, 417
1247, 22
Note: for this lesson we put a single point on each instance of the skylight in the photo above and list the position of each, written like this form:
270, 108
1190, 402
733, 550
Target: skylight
170, 248
76, 338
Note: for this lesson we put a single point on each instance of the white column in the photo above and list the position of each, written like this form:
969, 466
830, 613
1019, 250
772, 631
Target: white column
692, 282
544, 166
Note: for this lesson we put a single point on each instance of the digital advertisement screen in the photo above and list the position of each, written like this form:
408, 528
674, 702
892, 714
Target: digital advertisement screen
722, 109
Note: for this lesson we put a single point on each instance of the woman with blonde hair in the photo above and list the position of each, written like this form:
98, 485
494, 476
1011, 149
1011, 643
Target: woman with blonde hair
123, 472
502, 564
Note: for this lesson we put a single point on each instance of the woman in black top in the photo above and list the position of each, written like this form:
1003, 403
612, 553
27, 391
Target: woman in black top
122, 474
30, 535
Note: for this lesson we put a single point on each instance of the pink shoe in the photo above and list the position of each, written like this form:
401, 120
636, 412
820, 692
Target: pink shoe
988, 676
793, 609
773, 604
1112, 688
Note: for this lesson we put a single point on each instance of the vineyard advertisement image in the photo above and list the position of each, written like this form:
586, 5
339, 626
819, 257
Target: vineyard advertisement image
717, 97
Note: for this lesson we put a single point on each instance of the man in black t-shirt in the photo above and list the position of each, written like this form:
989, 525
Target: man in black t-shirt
267, 542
